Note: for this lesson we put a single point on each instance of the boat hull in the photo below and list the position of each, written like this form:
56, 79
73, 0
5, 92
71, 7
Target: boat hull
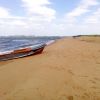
22, 53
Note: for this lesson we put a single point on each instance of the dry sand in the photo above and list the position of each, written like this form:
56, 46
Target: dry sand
67, 70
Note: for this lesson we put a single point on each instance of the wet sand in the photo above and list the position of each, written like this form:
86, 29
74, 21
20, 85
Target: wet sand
66, 70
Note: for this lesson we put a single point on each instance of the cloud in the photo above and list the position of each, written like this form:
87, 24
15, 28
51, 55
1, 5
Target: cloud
94, 18
39, 8
9, 24
41, 19
84, 19
82, 8
38, 18
4, 12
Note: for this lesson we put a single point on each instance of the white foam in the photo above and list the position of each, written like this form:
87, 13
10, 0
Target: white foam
50, 42
5, 52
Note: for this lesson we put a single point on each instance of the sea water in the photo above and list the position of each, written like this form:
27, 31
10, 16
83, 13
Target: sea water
8, 44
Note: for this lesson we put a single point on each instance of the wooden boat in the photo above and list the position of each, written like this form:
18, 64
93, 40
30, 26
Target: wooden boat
22, 52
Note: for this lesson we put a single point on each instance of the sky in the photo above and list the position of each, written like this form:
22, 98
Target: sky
49, 17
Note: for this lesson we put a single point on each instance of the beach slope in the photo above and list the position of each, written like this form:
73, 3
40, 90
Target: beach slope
66, 70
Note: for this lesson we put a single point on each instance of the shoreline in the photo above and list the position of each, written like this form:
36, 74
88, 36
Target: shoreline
66, 70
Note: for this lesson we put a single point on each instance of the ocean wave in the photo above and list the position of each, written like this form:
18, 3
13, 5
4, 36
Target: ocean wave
9, 44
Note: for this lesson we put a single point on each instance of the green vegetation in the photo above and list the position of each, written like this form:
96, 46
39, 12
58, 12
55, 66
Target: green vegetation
90, 38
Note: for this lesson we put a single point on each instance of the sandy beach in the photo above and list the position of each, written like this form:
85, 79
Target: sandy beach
69, 69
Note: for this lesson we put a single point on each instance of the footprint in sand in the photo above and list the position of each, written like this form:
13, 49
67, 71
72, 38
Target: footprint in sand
70, 71
93, 81
86, 94
97, 79
93, 87
84, 76
58, 68
70, 98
